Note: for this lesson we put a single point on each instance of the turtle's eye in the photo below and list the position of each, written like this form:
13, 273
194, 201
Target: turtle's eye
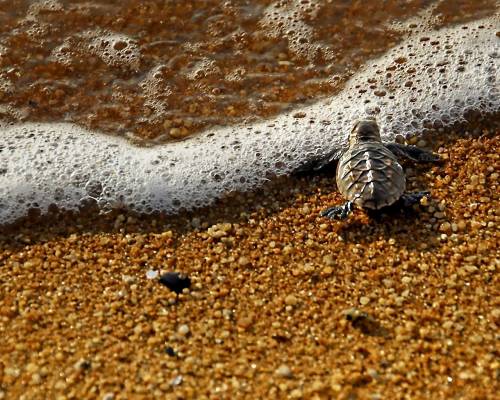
355, 128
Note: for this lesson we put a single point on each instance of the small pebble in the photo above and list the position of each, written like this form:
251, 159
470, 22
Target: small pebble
364, 300
284, 371
82, 364
128, 279
290, 300
447, 325
183, 330
243, 261
152, 274
365, 323
170, 351
471, 268
445, 227
328, 260
176, 381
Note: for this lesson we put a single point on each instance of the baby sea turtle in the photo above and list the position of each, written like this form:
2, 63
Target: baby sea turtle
369, 175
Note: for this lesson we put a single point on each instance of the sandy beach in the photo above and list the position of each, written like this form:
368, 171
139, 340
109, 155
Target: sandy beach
282, 303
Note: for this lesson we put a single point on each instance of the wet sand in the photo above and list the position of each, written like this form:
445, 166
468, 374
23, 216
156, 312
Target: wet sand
161, 71
270, 309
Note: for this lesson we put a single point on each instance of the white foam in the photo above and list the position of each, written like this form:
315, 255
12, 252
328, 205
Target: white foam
155, 90
37, 6
429, 79
114, 49
287, 20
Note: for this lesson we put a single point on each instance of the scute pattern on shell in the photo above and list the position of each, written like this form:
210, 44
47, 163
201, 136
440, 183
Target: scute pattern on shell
370, 176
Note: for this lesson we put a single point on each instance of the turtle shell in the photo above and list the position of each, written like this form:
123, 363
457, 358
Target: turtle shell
369, 175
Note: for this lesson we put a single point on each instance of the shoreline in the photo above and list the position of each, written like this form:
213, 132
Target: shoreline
271, 284
235, 203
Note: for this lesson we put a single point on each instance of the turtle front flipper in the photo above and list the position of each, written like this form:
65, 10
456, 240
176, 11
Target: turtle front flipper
409, 199
412, 152
319, 163
338, 212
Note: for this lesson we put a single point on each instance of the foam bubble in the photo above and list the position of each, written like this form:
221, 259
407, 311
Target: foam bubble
36, 7
155, 91
432, 79
287, 19
421, 22
114, 49
6, 85
202, 68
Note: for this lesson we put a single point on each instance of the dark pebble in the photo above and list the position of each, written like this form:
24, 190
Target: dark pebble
175, 281
170, 351
365, 323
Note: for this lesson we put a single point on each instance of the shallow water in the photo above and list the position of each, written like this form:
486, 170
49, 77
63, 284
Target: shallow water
162, 71
165, 70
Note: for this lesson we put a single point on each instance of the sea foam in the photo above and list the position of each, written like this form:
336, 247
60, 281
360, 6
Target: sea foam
431, 79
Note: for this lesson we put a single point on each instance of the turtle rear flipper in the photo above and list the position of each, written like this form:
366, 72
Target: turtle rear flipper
412, 152
409, 199
338, 212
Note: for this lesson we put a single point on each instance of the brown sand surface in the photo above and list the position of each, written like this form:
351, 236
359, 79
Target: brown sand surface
266, 315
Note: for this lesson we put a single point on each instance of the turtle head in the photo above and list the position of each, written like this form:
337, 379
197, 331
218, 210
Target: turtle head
365, 130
